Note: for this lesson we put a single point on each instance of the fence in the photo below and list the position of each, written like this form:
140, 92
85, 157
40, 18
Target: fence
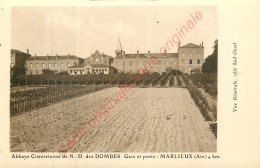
27, 104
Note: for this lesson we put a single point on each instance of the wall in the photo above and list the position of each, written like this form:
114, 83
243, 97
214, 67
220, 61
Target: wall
38, 70
160, 67
193, 54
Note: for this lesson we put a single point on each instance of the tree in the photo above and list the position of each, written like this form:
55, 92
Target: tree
211, 63
47, 72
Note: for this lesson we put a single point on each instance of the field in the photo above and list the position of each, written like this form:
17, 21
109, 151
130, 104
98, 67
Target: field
145, 120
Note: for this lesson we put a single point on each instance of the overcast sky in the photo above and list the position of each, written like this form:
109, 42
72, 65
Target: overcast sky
82, 30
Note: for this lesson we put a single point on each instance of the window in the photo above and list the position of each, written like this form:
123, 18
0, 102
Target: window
97, 59
75, 63
130, 63
43, 65
49, 65
12, 64
37, 65
183, 54
123, 63
31, 65
183, 61
105, 70
190, 53
198, 61
190, 61
68, 64
175, 62
61, 64
55, 65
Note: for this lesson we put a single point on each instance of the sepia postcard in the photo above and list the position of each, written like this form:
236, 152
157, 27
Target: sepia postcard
129, 84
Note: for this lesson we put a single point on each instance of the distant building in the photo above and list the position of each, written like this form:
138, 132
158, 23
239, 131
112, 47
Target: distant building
189, 57
18, 59
59, 63
95, 64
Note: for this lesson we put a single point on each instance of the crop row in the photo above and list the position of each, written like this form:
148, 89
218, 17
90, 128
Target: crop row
208, 111
36, 98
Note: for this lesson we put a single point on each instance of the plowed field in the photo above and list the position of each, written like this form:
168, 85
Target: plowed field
145, 120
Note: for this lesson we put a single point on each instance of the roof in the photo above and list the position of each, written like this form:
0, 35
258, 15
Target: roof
54, 57
93, 65
97, 52
146, 55
17, 51
191, 45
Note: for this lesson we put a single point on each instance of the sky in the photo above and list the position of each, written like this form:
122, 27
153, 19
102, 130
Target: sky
81, 31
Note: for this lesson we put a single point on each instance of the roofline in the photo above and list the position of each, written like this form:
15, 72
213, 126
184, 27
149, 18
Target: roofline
18, 51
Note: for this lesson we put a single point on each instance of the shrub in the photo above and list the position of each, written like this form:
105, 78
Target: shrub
171, 80
165, 79
157, 79
179, 83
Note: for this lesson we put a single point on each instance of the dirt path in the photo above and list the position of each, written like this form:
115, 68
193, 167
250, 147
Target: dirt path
175, 81
145, 120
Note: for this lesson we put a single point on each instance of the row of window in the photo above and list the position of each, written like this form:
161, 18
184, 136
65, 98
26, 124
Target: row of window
137, 71
190, 61
137, 63
190, 53
159, 62
50, 65
93, 70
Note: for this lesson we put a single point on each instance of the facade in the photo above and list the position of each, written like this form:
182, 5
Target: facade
18, 59
189, 57
34, 65
97, 63
131, 63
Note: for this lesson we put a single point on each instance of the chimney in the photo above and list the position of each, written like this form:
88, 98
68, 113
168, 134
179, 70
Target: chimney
56, 54
137, 51
149, 52
202, 43
28, 51
179, 44
123, 52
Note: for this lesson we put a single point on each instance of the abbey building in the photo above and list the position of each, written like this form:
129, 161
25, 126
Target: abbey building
189, 57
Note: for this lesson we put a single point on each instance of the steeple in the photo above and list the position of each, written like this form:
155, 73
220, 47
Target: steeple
119, 48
